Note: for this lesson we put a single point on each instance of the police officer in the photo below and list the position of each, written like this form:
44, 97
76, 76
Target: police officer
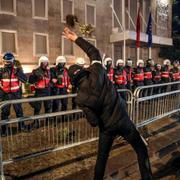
148, 77
156, 74
60, 81
165, 74
120, 77
11, 77
138, 74
40, 78
108, 64
175, 74
104, 108
129, 70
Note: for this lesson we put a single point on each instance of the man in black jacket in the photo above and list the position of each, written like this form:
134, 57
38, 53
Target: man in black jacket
104, 108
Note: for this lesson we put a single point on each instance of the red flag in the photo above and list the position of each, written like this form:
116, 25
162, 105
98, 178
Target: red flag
138, 26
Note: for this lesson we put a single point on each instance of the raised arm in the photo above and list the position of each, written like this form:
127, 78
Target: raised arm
88, 48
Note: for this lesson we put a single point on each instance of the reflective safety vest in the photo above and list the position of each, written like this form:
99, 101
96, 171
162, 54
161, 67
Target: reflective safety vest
139, 76
129, 72
147, 75
121, 78
110, 75
129, 75
157, 77
165, 74
64, 80
176, 76
43, 83
10, 84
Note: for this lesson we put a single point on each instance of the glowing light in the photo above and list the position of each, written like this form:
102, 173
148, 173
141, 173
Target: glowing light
165, 2
28, 68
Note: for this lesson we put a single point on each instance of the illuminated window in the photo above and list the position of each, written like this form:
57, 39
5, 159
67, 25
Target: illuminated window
40, 9
8, 41
41, 46
8, 7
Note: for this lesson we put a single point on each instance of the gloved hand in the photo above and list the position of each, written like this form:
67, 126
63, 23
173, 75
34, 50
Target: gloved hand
17, 66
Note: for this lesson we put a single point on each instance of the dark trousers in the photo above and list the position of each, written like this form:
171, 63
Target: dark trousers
149, 91
64, 101
127, 130
38, 105
123, 93
166, 88
129, 86
17, 107
157, 90
138, 84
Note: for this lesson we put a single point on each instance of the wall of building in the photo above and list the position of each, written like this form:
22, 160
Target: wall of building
26, 25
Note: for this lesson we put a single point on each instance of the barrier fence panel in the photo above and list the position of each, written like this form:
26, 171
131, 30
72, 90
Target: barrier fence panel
148, 108
128, 99
55, 131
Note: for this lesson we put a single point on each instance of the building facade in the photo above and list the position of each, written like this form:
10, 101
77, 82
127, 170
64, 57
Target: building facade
31, 28
161, 11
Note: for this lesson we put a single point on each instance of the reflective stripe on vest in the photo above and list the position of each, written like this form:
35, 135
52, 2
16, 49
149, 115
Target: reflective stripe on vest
110, 75
65, 80
176, 76
10, 85
139, 77
165, 74
44, 83
157, 77
147, 75
121, 78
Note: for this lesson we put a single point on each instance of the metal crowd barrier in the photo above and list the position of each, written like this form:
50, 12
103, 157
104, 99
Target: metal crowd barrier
164, 101
56, 131
128, 99
65, 129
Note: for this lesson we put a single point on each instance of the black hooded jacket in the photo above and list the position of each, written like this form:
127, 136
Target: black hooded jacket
96, 94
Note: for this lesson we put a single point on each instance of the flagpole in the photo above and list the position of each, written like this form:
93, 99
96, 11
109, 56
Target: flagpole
123, 24
138, 33
138, 52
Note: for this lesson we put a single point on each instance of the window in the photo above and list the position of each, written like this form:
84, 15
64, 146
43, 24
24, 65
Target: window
118, 9
41, 44
8, 7
67, 7
40, 9
90, 14
67, 47
133, 12
8, 41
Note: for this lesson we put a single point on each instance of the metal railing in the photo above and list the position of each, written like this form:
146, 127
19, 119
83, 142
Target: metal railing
65, 129
164, 101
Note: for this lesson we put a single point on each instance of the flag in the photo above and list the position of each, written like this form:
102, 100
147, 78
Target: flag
138, 26
149, 31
